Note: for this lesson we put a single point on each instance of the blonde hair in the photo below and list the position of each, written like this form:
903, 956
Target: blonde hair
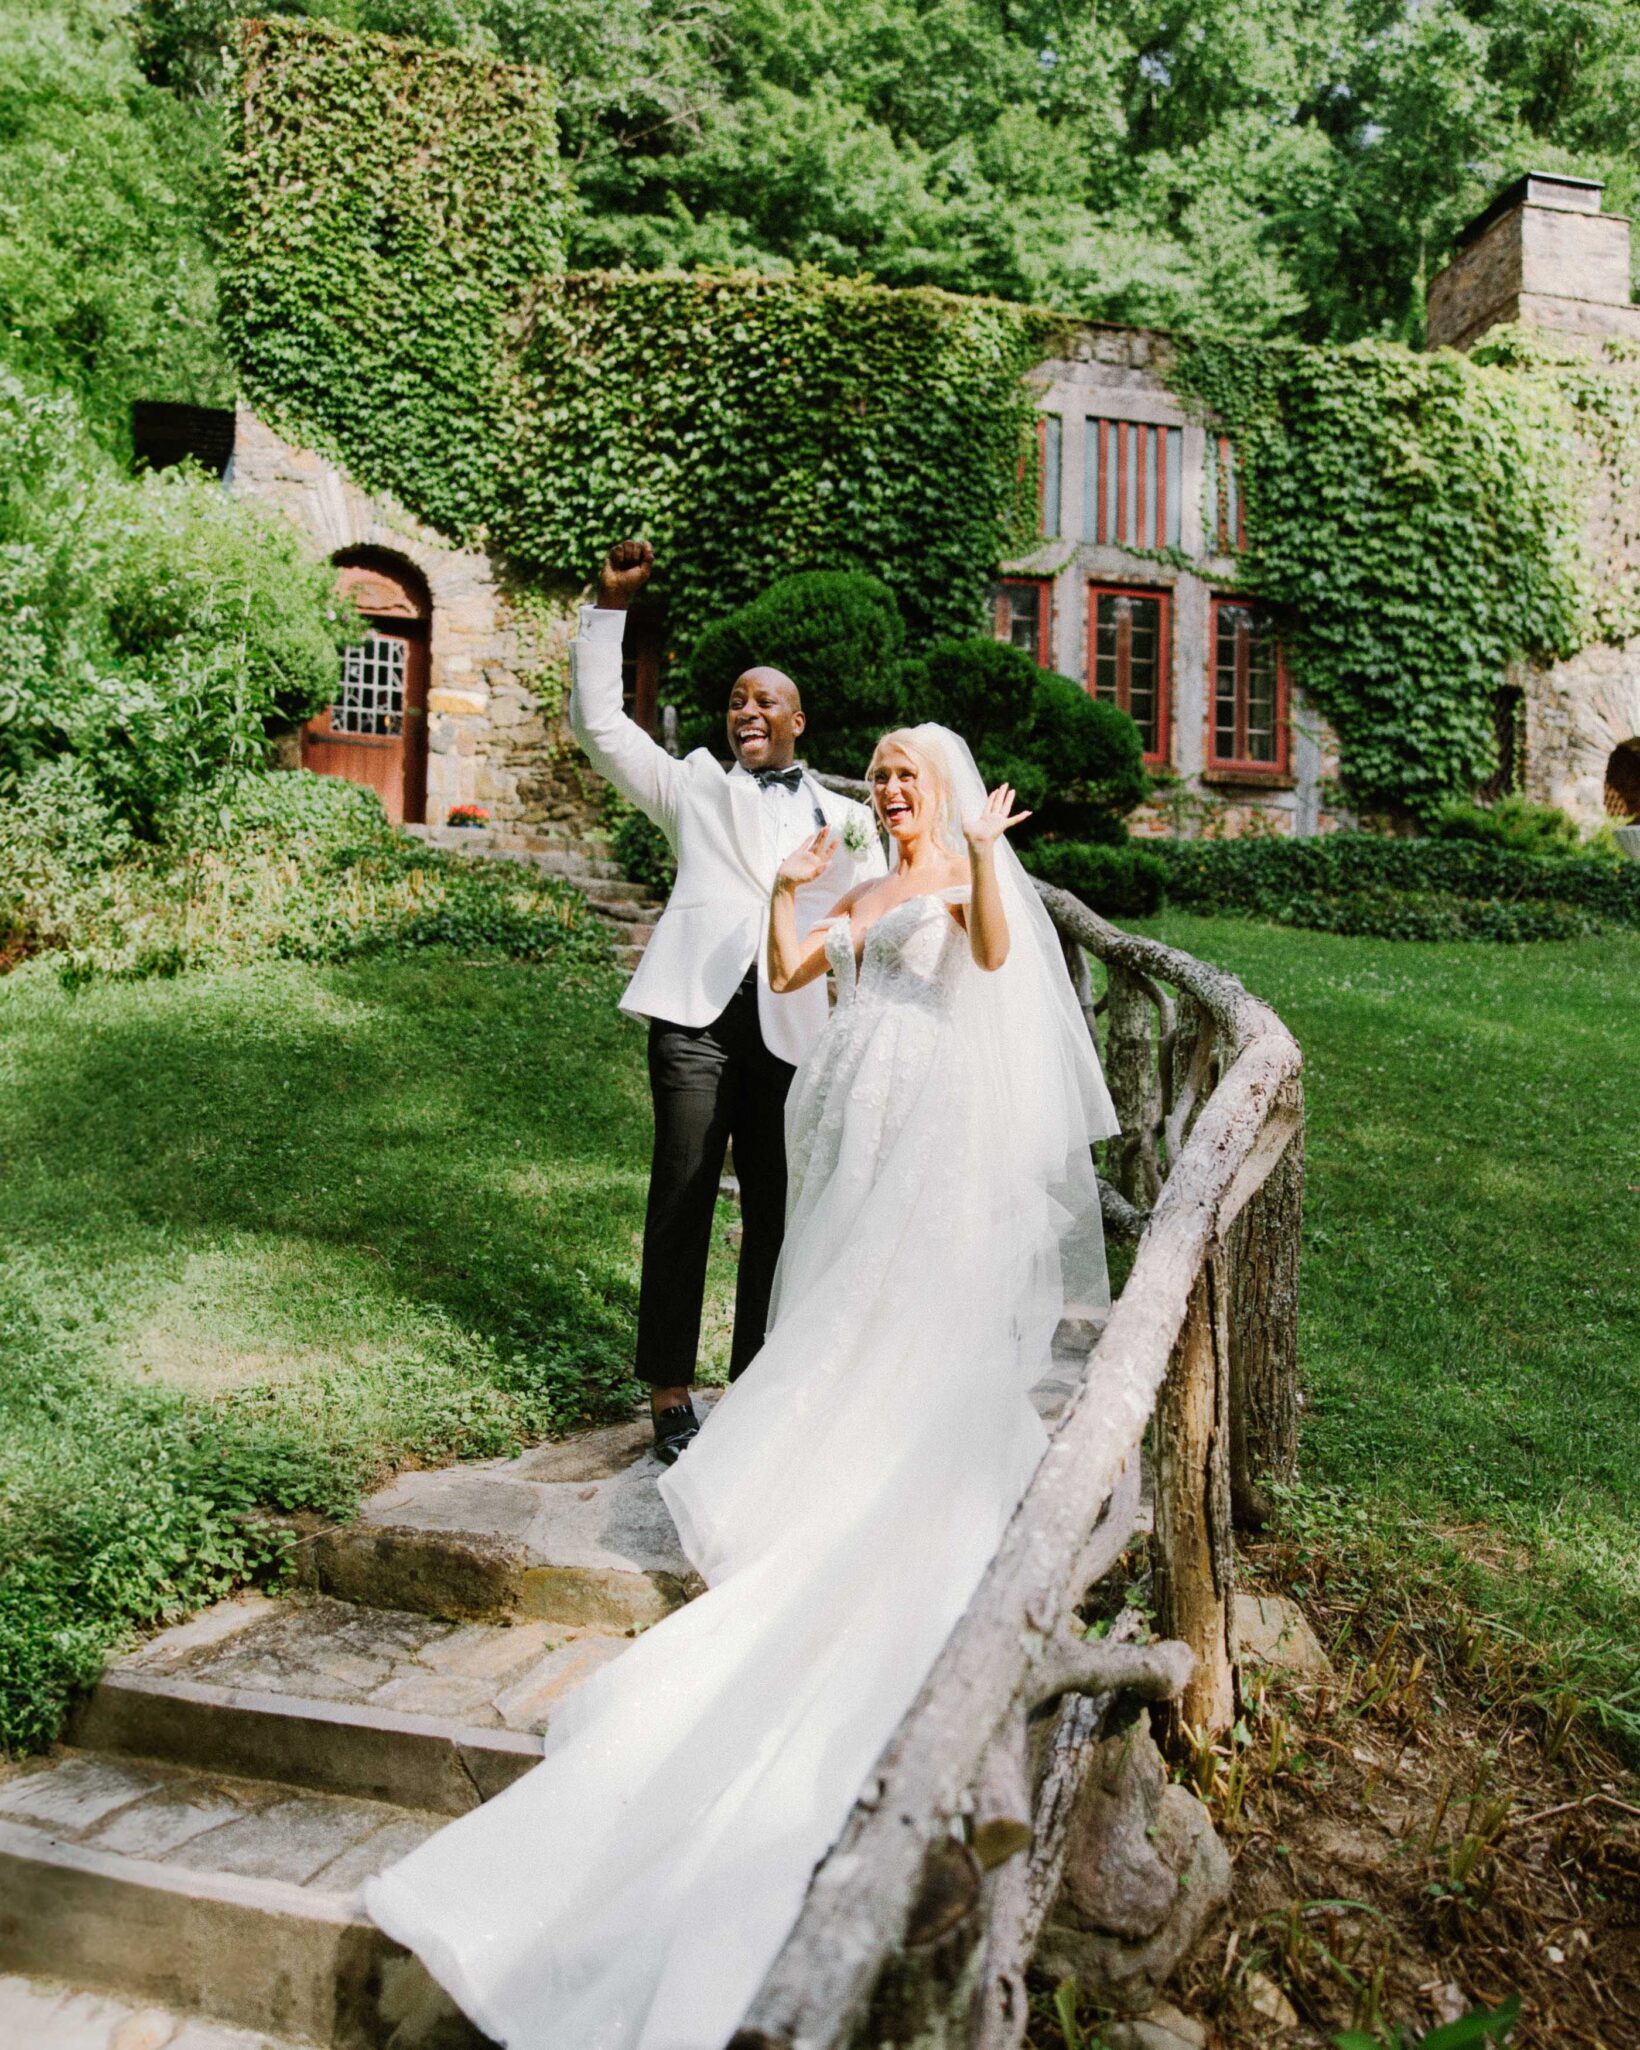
933, 770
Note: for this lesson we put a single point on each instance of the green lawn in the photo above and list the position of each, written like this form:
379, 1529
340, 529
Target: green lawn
271, 1229
1470, 1332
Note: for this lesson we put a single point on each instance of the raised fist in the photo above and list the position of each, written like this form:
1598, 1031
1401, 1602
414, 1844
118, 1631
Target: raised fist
624, 573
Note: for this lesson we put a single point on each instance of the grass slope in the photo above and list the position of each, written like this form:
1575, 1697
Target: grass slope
1471, 1293
270, 1231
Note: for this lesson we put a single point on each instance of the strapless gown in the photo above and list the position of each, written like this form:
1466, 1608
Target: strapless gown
842, 1502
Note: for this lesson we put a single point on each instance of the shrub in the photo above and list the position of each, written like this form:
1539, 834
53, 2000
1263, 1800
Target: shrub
1122, 882
837, 634
639, 845
1511, 822
152, 626
286, 866
1404, 889
1074, 761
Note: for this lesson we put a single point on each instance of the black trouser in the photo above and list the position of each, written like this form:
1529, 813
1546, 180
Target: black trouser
711, 1083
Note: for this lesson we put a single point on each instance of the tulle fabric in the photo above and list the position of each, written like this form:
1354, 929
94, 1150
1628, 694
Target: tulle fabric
842, 1503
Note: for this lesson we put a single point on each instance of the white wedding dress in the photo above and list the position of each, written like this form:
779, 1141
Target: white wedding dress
842, 1502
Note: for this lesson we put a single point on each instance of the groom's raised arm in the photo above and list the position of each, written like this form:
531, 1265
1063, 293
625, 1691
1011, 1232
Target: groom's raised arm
618, 748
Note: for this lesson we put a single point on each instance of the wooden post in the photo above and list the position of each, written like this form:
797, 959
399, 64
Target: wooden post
1195, 1552
1134, 1088
1263, 1266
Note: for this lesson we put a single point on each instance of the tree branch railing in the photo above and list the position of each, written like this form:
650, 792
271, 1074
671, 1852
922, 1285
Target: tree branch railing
939, 1883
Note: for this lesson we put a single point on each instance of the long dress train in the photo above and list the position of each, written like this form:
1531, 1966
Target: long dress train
842, 1502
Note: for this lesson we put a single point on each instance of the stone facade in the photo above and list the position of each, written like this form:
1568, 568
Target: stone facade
1118, 375
496, 735
1544, 254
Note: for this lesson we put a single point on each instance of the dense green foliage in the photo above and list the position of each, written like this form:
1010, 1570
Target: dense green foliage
107, 278
1278, 167
1364, 884
149, 627
1416, 519
837, 634
1121, 882
1511, 822
1470, 1290
270, 1232
392, 205
265, 867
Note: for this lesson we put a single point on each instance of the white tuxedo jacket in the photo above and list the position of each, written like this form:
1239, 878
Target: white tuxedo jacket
716, 920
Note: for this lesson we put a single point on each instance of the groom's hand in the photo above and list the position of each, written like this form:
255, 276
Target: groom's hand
624, 573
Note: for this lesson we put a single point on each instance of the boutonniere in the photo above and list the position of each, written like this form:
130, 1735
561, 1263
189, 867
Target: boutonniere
856, 836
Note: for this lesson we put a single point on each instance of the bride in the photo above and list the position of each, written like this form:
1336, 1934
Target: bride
846, 1494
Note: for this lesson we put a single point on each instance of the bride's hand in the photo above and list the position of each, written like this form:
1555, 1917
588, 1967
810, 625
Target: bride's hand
985, 828
808, 863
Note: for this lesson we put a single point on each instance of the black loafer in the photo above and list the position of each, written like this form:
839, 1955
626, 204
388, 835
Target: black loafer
675, 1428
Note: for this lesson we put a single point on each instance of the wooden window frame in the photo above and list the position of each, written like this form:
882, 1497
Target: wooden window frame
1238, 768
1161, 757
1002, 615
1229, 509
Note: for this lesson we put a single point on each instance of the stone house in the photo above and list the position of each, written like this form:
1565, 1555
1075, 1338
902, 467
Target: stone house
455, 698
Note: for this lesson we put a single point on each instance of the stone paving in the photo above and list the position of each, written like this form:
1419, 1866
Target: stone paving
485, 1675
199, 1821
35, 2015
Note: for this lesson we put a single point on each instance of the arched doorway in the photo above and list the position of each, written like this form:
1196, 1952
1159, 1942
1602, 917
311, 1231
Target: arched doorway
1623, 781
375, 731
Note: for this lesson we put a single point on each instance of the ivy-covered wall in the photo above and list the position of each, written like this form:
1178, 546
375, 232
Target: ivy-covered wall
395, 301
394, 297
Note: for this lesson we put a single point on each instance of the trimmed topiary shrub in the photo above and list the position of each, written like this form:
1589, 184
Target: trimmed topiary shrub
837, 634
1403, 889
1121, 882
1075, 762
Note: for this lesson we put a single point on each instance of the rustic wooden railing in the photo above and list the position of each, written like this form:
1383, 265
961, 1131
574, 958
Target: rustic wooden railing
919, 1925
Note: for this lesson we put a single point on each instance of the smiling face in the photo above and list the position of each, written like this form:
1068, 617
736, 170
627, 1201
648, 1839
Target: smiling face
765, 720
905, 790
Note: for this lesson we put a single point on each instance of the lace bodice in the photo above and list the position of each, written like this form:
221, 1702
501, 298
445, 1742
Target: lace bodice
913, 954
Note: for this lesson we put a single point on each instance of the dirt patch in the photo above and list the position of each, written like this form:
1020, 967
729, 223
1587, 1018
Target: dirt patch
1429, 1831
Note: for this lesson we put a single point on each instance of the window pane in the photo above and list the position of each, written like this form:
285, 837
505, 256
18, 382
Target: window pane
371, 699
1261, 691
1175, 486
1227, 644
1021, 613
1052, 439
1151, 533
1128, 660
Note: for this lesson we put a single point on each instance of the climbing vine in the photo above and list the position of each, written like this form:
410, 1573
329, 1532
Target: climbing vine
394, 295
1417, 520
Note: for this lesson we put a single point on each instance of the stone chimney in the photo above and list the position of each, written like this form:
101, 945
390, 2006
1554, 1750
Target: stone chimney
1542, 254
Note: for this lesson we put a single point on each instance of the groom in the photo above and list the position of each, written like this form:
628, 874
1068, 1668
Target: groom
722, 1046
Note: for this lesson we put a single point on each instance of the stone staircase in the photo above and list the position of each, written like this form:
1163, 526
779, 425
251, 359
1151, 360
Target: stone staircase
186, 1868
577, 854
184, 1872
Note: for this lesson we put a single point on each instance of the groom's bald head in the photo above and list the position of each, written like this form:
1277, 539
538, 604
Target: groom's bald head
765, 719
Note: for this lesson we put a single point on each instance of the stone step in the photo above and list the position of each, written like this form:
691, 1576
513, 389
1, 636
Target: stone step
613, 890
38, 2014
574, 1536
576, 867
383, 1706
622, 911
229, 1898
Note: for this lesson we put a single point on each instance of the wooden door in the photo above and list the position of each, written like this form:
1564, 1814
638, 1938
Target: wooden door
374, 732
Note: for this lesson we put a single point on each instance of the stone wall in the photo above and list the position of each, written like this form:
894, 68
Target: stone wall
499, 666
1120, 374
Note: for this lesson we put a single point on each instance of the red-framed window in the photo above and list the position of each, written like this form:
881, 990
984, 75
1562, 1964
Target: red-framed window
1133, 484
1050, 448
1023, 616
1129, 658
1247, 724
1226, 515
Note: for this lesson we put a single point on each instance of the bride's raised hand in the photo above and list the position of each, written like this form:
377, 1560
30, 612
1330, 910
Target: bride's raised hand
982, 829
809, 862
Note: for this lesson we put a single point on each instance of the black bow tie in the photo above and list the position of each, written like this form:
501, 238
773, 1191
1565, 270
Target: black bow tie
788, 779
